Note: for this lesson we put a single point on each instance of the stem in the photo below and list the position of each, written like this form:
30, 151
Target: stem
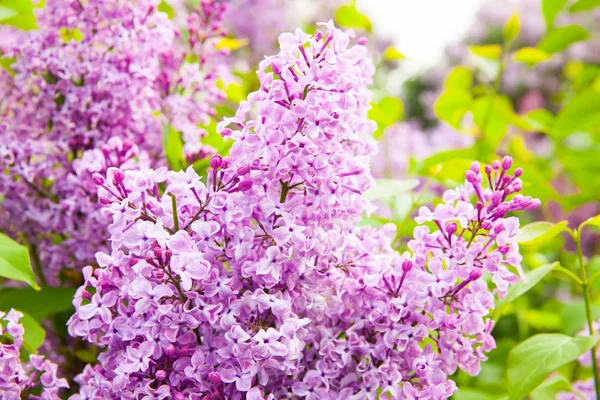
37, 264
588, 309
175, 216
284, 191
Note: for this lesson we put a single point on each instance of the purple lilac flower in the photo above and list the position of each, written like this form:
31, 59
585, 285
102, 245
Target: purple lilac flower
258, 284
92, 89
19, 379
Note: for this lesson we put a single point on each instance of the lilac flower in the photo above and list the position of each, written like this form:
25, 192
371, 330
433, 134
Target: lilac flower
19, 379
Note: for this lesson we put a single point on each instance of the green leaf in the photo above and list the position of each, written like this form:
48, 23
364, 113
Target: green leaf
392, 54
489, 51
550, 8
584, 5
512, 28
34, 334
385, 113
540, 232
348, 16
574, 317
452, 105
539, 120
38, 304
551, 388
531, 361
594, 221
533, 277
173, 145
165, 7
14, 262
560, 39
6, 13
459, 78
531, 55
22, 17
581, 113
390, 188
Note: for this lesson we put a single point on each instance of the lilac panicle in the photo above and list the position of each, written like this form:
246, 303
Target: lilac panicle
258, 283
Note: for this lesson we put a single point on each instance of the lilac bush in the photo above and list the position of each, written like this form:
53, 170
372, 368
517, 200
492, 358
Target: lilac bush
259, 284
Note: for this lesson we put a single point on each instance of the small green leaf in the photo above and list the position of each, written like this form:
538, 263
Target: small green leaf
531, 55
459, 78
23, 17
551, 388
533, 277
550, 8
348, 16
392, 54
6, 13
165, 7
512, 28
560, 39
390, 188
540, 119
540, 232
531, 361
14, 262
489, 51
594, 221
584, 5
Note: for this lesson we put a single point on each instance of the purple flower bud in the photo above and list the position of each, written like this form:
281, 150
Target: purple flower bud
475, 167
119, 176
506, 163
407, 265
518, 172
159, 273
451, 228
215, 380
245, 185
86, 295
225, 132
216, 161
243, 170
97, 179
488, 169
472, 177
183, 351
475, 274
170, 350
502, 209
157, 252
504, 249
496, 164
161, 375
498, 228
103, 200
362, 41
168, 255
479, 206
487, 225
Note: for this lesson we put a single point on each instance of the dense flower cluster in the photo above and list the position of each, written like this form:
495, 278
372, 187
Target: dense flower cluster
95, 78
258, 284
19, 380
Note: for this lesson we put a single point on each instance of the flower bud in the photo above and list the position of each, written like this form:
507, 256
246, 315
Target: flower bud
451, 228
475, 274
161, 375
407, 265
225, 132
159, 274
183, 351
216, 161
245, 185
488, 169
97, 179
119, 176
243, 170
86, 295
475, 167
215, 379
487, 225
506, 163
518, 172
157, 252
496, 164
170, 350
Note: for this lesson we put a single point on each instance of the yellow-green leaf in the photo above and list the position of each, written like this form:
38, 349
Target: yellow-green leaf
540, 232
531, 55
512, 27
14, 262
560, 39
6, 13
550, 8
348, 16
584, 5
392, 54
231, 43
490, 51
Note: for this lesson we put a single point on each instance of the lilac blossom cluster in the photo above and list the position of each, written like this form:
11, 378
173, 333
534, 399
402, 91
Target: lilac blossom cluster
35, 379
92, 89
258, 284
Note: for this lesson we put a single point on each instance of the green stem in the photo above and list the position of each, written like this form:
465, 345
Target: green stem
588, 309
284, 191
37, 264
175, 216
571, 275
